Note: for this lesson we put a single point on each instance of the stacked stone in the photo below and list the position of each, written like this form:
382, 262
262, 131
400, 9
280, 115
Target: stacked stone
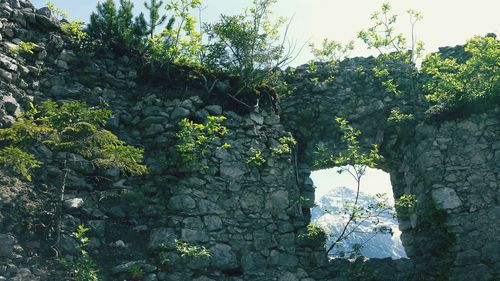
249, 217
451, 166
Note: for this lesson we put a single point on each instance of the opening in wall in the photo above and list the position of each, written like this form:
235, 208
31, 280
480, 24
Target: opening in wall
367, 228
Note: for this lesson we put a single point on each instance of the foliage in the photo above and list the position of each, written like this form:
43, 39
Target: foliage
406, 201
164, 258
178, 43
452, 83
398, 117
248, 46
25, 48
353, 158
191, 251
256, 159
136, 272
117, 27
396, 56
383, 37
19, 161
313, 231
122, 157
405, 204
58, 13
353, 162
285, 146
83, 267
197, 140
71, 127
75, 29
331, 51
155, 19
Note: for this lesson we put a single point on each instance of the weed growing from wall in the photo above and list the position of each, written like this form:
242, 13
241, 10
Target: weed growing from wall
83, 267
197, 140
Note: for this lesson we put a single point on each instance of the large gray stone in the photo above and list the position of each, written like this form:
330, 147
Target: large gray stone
181, 202
287, 276
252, 261
6, 245
212, 222
194, 235
10, 105
232, 170
223, 257
162, 238
446, 198
283, 259
179, 112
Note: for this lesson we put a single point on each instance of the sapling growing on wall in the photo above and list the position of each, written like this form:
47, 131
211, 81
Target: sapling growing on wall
396, 57
179, 42
83, 267
72, 128
331, 51
155, 18
354, 162
248, 46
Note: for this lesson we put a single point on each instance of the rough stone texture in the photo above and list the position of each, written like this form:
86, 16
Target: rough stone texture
249, 217
451, 166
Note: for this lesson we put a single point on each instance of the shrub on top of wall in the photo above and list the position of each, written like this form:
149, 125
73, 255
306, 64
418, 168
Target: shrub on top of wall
458, 86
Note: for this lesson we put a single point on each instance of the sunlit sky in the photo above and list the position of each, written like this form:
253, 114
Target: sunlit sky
445, 23
373, 182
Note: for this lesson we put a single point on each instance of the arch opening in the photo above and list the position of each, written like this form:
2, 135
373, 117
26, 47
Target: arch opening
374, 233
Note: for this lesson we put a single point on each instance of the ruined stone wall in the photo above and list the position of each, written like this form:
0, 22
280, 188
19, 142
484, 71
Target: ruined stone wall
451, 166
249, 217
246, 216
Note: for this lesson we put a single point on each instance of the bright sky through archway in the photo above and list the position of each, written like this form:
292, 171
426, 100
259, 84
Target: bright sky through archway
373, 182
446, 22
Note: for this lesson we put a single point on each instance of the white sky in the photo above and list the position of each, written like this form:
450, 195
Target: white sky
445, 23
373, 182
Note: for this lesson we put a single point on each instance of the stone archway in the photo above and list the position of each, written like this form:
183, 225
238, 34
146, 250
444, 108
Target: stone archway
451, 167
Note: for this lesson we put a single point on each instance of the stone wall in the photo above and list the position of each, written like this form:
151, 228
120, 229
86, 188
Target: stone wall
249, 217
451, 166
246, 216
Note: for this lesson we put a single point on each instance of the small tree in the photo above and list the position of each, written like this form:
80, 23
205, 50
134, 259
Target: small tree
331, 51
383, 37
83, 267
355, 162
179, 42
396, 58
70, 127
118, 27
248, 45
155, 19
454, 83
